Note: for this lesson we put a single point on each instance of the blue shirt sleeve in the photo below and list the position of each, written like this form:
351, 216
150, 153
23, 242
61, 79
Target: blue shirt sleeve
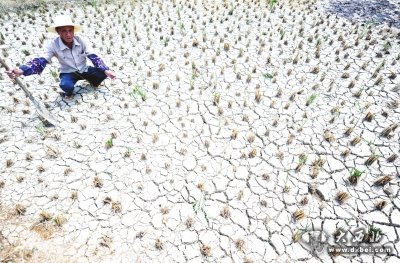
98, 62
35, 66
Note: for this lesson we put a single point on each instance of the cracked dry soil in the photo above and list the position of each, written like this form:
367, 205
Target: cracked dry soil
235, 127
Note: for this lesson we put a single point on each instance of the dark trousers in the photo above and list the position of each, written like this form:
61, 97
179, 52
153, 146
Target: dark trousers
94, 76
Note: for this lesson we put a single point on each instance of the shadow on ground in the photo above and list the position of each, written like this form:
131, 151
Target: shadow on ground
370, 11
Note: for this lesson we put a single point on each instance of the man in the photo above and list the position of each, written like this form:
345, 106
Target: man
71, 51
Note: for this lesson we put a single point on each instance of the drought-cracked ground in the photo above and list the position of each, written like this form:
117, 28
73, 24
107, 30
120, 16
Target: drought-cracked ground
233, 130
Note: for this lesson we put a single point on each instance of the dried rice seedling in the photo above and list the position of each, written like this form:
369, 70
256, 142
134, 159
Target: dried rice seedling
74, 195
189, 222
279, 93
369, 117
251, 138
148, 169
107, 200
44, 216
20, 209
298, 168
9, 163
164, 210
392, 158
226, 46
315, 70
68, 171
59, 220
371, 159
155, 138
304, 200
266, 176
335, 110
51, 152
342, 197
280, 155
299, 214
329, 137
263, 203
378, 81
349, 131
105, 241
116, 206
393, 104
315, 171
240, 245
40, 168
383, 180
234, 134
351, 84
290, 139
380, 204
200, 186
97, 182
357, 94
345, 75
225, 213
388, 130
253, 153
258, 96
356, 140
205, 250
297, 236
286, 188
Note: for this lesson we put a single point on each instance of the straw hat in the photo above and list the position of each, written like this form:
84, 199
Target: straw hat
63, 20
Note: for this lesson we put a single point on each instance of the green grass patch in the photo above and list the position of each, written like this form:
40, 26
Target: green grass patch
138, 91
311, 99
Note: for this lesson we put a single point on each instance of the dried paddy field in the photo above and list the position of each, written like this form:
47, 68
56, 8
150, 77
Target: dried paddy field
235, 129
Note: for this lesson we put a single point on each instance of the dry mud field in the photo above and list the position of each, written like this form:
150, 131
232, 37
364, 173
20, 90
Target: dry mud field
237, 131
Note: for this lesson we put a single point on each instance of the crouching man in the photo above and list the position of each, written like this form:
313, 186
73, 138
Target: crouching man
71, 52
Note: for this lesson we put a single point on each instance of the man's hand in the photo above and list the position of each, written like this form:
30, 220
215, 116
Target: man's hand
110, 74
14, 73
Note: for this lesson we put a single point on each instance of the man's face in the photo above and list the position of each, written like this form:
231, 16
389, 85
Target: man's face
66, 33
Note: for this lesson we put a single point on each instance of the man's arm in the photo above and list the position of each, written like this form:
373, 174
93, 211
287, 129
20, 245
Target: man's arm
35, 66
96, 60
99, 63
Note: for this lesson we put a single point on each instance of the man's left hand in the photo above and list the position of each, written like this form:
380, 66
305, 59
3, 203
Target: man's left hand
110, 74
